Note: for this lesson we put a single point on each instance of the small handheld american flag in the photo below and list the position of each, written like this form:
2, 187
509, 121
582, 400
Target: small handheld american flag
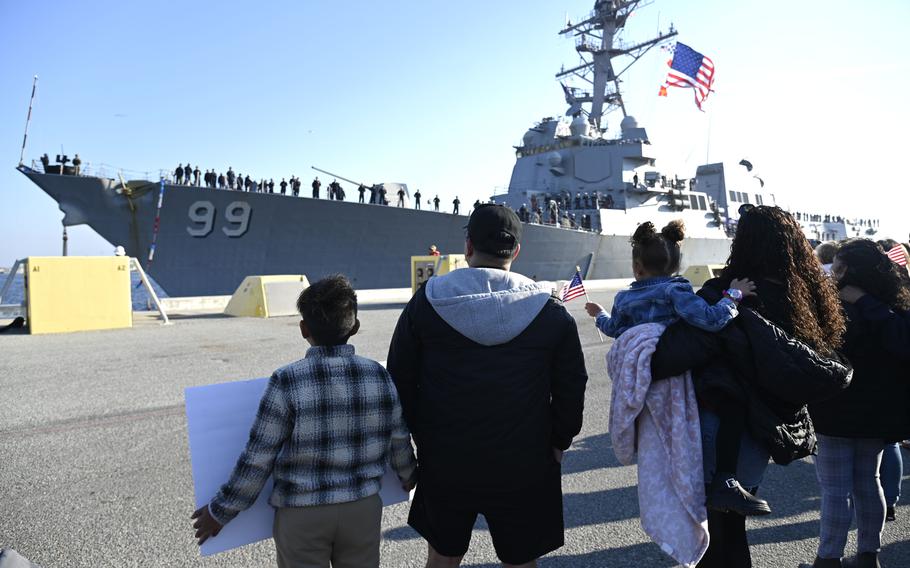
898, 255
573, 288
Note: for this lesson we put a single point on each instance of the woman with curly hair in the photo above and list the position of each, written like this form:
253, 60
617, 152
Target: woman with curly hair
854, 426
774, 359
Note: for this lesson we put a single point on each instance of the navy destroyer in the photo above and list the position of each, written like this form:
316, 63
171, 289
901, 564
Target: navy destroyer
582, 189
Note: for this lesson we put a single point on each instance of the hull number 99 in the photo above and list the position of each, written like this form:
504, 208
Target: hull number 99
202, 219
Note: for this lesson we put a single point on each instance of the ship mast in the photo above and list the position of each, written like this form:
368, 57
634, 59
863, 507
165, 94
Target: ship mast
597, 45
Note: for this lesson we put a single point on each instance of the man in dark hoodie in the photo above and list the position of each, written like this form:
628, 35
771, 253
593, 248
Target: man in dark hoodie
491, 377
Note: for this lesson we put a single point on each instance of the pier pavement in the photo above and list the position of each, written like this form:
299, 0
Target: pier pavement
95, 472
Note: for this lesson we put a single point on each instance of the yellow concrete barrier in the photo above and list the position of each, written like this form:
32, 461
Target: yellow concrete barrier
78, 293
425, 267
698, 274
267, 296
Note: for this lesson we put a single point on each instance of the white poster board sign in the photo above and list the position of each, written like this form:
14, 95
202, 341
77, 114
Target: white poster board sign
219, 418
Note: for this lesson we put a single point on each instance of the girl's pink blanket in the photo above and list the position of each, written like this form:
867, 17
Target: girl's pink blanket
658, 424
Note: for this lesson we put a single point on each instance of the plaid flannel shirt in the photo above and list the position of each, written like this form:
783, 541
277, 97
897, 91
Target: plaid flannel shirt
325, 428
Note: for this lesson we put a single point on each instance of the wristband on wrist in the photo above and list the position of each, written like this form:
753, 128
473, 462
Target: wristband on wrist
734, 294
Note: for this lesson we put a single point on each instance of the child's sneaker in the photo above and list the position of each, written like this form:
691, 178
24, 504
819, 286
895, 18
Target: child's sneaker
725, 494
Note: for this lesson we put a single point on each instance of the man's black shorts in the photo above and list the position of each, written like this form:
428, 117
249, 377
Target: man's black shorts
524, 524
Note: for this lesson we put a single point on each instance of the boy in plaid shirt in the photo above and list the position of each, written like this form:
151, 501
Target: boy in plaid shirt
325, 428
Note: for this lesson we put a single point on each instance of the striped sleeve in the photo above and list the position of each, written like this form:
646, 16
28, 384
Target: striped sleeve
272, 427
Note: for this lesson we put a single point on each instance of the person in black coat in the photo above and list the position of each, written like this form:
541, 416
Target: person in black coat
491, 377
778, 356
855, 425
187, 174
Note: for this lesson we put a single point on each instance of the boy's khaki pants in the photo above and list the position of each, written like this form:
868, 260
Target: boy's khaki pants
346, 534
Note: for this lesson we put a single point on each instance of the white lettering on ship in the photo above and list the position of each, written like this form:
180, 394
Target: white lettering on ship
202, 219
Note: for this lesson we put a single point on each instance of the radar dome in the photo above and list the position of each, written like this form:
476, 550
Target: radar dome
529, 137
628, 122
555, 159
579, 126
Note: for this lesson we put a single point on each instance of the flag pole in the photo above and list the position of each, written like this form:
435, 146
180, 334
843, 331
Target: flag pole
28, 119
587, 299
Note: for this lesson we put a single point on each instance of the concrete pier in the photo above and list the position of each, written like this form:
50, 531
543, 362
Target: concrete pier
94, 466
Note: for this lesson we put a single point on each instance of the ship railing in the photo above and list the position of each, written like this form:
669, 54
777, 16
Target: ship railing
108, 171
585, 43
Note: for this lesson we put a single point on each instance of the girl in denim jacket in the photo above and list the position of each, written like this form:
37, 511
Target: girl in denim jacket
657, 296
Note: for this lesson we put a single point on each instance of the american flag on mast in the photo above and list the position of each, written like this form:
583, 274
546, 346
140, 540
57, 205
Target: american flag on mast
690, 69
573, 288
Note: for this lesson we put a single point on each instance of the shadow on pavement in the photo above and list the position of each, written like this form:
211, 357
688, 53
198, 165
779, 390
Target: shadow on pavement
587, 454
643, 554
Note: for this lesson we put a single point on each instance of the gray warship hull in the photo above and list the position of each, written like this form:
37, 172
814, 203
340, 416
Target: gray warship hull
208, 240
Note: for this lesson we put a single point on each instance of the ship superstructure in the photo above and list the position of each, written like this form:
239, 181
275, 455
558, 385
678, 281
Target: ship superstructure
612, 182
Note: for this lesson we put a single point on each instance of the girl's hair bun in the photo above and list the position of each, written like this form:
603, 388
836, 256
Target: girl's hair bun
674, 232
644, 233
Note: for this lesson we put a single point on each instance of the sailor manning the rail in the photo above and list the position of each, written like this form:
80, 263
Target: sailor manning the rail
316, 185
417, 199
400, 197
361, 190
436, 203
456, 202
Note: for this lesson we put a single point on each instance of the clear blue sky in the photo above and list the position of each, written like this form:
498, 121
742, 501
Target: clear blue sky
435, 94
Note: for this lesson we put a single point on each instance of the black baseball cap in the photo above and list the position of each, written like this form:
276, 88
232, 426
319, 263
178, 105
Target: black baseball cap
494, 229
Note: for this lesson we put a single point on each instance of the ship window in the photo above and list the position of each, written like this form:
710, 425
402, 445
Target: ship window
759, 200
694, 201
745, 198
702, 204
732, 195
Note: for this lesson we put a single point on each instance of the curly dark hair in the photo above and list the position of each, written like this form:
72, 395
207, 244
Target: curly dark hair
659, 252
869, 268
329, 308
769, 244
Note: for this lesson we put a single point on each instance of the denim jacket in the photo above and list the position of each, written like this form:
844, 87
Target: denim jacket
664, 299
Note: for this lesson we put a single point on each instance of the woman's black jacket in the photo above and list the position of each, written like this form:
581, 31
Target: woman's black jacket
757, 365
877, 404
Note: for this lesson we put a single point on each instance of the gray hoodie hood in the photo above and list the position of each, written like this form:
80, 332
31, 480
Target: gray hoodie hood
486, 305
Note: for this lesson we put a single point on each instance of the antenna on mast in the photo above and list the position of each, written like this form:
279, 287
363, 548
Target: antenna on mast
597, 44
28, 119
